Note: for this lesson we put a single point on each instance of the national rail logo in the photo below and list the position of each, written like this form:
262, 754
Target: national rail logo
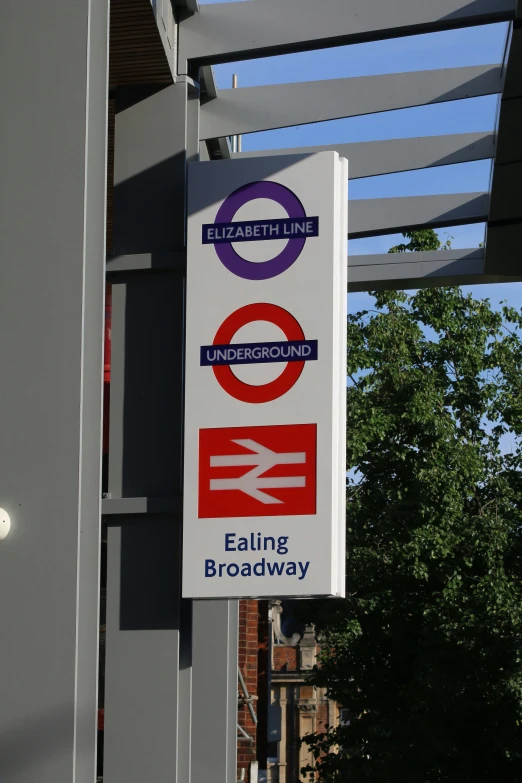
257, 472
297, 229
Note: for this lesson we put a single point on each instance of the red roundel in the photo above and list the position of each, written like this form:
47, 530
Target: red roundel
269, 391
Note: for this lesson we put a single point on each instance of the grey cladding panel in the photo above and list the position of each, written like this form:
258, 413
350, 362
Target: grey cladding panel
369, 159
252, 109
374, 217
503, 250
53, 137
505, 219
234, 31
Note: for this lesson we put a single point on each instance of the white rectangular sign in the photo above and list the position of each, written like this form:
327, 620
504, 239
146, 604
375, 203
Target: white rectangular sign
264, 486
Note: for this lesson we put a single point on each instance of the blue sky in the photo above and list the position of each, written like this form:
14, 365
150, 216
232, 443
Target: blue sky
476, 46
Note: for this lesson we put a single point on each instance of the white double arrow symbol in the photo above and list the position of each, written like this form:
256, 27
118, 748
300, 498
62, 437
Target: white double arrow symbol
264, 459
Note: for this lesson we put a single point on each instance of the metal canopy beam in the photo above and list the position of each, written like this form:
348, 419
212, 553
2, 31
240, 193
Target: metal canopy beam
505, 219
253, 109
240, 31
376, 217
419, 270
373, 158
189, 5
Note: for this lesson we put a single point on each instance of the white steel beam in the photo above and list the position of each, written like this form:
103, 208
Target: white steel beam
253, 109
373, 158
376, 217
419, 270
227, 32
407, 270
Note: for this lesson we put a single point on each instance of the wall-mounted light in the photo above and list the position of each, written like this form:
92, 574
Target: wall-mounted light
5, 524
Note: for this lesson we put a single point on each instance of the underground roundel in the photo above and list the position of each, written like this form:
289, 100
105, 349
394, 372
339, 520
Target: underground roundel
295, 351
257, 471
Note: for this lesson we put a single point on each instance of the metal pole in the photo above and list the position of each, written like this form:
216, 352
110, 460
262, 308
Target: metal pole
147, 706
237, 141
171, 665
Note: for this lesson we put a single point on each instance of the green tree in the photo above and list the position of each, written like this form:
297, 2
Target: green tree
423, 239
426, 650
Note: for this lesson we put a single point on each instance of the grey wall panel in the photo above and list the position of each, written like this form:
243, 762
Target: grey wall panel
373, 217
141, 672
214, 672
144, 623
503, 249
154, 701
509, 131
233, 31
53, 137
252, 109
506, 204
373, 158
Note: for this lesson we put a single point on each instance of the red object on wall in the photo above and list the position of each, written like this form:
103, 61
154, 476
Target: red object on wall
107, 367
107, 341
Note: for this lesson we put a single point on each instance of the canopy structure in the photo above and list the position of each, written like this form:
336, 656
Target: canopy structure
227, 32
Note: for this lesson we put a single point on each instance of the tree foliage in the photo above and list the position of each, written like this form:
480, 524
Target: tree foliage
426, 650
422, 239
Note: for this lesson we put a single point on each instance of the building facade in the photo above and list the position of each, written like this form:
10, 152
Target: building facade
105, 104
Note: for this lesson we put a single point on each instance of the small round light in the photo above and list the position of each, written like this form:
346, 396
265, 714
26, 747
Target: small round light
5, 524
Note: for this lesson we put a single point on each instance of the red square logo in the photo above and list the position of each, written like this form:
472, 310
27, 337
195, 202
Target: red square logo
258, 471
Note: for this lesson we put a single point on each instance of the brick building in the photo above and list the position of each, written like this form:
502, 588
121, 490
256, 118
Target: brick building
277, 706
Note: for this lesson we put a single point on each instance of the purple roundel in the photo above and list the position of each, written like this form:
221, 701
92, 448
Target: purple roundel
274, 266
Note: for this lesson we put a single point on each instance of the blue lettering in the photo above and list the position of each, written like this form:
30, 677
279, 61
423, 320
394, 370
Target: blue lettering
259, 568
268, 539
282, 549
210, 568
229, 542
275, 568
304, 568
